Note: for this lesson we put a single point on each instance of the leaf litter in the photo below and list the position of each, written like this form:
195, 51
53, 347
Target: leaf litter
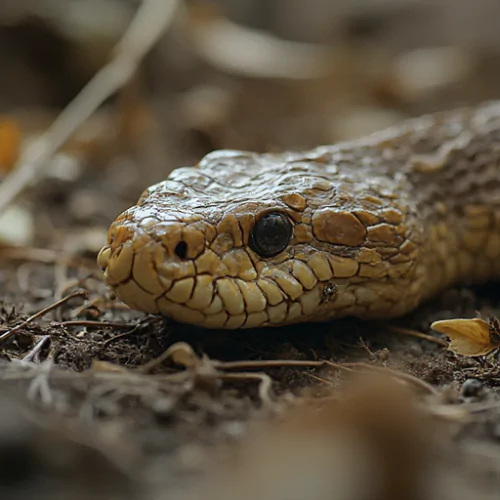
146, 416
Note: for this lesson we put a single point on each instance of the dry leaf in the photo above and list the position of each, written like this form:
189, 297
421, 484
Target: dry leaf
469, 337
10, 144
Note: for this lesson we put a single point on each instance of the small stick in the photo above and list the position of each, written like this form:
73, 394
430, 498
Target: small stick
42, 312
419, 335
349, 366
265, 383
36, 349
317, 378
43, 256
142, 324
272, 363
95, 324
151, 20
280, 363
405, 377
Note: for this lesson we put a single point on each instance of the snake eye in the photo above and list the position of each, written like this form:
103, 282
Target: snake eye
271, 234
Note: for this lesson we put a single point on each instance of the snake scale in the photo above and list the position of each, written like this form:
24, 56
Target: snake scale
368, 228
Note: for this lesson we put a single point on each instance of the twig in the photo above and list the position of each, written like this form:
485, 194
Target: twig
44, 256
265, 383
405, 377
170, 353
237, 365
317, 378
233, 48
272, 363
280, 363
349, 366
101, 303
364, 346
42, 312
419, 335
95, 324
152, 19
142, 324
36, 349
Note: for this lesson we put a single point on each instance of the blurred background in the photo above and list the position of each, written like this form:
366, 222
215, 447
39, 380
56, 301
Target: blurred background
264, 75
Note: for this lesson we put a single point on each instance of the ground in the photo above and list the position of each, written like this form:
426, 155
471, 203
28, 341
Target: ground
82, 382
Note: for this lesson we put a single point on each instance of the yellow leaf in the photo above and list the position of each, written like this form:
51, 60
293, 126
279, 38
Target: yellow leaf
468, 337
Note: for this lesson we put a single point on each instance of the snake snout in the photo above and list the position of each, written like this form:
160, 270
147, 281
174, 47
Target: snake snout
155, 266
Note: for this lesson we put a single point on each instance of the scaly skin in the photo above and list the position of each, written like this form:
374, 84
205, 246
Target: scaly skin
379, 224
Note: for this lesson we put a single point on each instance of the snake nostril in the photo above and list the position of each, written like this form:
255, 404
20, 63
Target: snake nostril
181, 249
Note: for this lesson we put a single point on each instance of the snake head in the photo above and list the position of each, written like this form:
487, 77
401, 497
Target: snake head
244, 240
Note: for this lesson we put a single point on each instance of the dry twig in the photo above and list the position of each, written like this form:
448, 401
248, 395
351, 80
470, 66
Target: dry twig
142, 324
152, 19
404, 377
42, 312
36, 349
418, 335
44, 256
95, 324
265, 383
280, 363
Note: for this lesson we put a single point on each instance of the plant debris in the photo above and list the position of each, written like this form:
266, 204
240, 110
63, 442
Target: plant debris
100, 401
470, 337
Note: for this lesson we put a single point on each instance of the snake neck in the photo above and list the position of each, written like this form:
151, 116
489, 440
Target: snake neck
452, 170
444, 172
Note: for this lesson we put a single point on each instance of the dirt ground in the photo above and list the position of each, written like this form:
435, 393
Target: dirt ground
86, 410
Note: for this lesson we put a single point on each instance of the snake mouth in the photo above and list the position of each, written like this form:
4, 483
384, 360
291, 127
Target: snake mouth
229, 291
194, 278
208, 300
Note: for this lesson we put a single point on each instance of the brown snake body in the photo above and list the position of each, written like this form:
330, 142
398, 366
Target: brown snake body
368, 228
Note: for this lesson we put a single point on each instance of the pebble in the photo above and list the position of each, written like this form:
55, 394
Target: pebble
471, 388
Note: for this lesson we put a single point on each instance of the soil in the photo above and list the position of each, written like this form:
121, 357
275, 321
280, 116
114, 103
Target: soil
79, 384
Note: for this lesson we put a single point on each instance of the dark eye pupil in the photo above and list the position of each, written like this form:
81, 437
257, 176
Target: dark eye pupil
271, 234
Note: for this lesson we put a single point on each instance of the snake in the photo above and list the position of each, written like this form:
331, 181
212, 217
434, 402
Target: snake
368, 228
